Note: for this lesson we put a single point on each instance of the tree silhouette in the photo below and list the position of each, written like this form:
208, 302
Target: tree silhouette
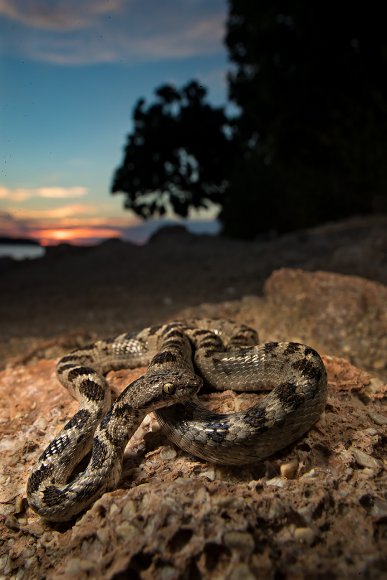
309, 80
177, 154
310, 141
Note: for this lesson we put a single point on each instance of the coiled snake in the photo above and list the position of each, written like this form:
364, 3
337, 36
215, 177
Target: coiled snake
225, 355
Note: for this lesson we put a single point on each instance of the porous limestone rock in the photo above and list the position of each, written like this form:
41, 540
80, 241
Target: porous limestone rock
174, 516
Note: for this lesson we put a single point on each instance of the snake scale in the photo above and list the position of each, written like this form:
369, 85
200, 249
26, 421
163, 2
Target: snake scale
181, 356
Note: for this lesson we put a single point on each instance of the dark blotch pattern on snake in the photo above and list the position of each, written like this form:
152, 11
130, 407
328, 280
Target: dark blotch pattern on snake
181, 356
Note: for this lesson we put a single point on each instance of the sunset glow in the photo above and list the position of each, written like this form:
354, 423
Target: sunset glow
78, 236
71, 223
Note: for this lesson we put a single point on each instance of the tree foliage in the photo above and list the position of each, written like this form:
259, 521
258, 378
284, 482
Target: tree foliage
309, 80
310, 141
176, 155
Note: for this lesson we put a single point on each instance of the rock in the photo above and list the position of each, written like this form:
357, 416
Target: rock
363, 459
289, 470
242, 542
174, 516
378, 418
304, 535
276, 482
345, 315
175, 232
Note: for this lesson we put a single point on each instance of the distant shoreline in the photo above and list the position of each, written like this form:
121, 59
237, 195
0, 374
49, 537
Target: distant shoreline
139, 235
4, 240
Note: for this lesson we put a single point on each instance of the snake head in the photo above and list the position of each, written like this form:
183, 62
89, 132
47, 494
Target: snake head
171, 387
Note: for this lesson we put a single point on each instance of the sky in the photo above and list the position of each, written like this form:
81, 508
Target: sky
71, 72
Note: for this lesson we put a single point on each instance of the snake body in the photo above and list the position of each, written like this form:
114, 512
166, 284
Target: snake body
180, 355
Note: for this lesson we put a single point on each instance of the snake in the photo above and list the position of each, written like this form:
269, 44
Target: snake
179, 357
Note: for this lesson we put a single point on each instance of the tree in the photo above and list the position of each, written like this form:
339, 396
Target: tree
177, 155
309, 80
310, 141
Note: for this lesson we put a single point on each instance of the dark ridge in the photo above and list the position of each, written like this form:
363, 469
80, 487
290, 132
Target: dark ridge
18, 241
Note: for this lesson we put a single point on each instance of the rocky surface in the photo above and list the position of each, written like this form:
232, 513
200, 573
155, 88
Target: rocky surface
317, 509
173, 516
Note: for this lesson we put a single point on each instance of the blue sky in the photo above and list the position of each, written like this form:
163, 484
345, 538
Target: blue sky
71, 72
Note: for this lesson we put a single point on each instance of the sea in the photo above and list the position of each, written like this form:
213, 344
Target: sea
21, 251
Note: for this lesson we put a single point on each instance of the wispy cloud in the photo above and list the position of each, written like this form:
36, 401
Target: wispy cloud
12, 226
125, 31
56, 213
58, 14
62, 192
23, 193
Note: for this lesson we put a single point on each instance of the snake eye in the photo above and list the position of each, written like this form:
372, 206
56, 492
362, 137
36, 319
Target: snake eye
169, 388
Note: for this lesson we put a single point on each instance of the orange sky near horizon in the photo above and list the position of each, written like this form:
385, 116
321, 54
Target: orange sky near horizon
59, 214
54, 215
78, 236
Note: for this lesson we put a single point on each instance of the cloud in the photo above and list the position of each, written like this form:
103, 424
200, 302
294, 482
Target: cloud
56, 213
62, 192
78, 223
15, 195
123, 31
58, 14
21, 194
11, 226
69, 215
